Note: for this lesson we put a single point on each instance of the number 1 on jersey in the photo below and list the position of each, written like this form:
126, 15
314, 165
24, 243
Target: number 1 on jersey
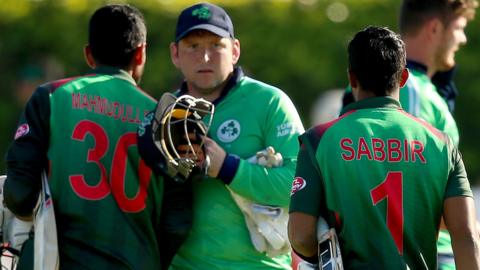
391, 189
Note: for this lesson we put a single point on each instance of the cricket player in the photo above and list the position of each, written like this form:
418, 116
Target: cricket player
82, 132
381, 177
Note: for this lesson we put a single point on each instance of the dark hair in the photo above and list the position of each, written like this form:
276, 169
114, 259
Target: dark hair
376, 55
114, 33
414, 13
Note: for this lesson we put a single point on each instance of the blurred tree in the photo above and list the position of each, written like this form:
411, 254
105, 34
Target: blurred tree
297, 45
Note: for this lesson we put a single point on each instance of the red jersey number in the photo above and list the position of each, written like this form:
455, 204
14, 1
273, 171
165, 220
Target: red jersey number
391, 189
117, 171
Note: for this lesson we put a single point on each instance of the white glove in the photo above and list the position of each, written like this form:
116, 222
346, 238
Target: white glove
267, 224
272, 224
267, 158
15, 231
18, 232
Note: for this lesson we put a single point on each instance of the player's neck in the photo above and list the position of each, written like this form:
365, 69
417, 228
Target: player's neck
207, 94
363, 94
421, 51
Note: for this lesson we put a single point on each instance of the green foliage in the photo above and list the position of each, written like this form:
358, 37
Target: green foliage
294, 45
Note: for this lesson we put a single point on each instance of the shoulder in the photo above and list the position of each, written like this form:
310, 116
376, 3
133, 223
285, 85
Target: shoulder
253, 86
42, 93
419, 96
316, 133
69, 83
257, 92
147, 97
52, 86
420, 124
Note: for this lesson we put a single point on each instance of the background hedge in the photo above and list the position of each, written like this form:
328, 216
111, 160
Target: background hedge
299, 46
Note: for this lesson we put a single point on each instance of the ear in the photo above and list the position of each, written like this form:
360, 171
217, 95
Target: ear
174, 54
404, 77
235, 51
87, 53
140, 54
434, 28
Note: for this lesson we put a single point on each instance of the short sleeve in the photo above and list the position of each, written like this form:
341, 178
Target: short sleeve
307, 185
457, 184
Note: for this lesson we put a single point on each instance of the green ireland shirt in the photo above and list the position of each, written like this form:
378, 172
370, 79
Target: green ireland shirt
252, 116
420, 98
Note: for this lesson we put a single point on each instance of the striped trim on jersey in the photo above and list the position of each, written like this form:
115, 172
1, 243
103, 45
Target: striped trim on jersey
414, 98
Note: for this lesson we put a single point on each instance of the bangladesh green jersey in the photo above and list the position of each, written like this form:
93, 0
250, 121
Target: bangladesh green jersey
420, 98
107, 204
250, 116
380, 176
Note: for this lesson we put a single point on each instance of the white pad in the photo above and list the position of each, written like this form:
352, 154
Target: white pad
267, 224
45, 240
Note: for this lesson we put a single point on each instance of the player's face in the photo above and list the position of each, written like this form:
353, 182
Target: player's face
453, 36
206, 61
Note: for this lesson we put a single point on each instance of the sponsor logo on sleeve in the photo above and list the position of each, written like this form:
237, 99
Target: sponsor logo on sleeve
22, 130
228, 131
286, 129
298, 184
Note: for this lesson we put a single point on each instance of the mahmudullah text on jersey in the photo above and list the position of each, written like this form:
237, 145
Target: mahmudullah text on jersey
103, 106
381, 149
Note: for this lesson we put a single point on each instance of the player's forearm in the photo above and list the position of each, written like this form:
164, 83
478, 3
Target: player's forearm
21, 189
459, 216
25, 218
467, 251
304, 247
256, 182
302, 235
264, 185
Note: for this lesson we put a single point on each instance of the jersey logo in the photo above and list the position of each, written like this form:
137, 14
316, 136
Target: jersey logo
228, 131
22, 130
298, 184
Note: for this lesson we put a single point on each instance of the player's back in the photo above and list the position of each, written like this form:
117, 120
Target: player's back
105, 199
385, 175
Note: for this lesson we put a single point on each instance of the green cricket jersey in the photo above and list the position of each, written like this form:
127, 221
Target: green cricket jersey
107, 204
380, 176
420, 98
249, 117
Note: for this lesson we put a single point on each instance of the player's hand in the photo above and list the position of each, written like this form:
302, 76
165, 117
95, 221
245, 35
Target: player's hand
267, 158
198, 156
195, 152
216, 154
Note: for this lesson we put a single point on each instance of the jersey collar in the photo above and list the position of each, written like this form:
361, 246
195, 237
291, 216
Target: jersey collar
115, 72
413, 65
374, 102
236, 77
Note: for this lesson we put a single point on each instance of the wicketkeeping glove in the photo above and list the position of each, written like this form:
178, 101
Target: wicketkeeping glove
267, 224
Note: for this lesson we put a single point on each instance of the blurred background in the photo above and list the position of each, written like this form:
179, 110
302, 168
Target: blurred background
296, 45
